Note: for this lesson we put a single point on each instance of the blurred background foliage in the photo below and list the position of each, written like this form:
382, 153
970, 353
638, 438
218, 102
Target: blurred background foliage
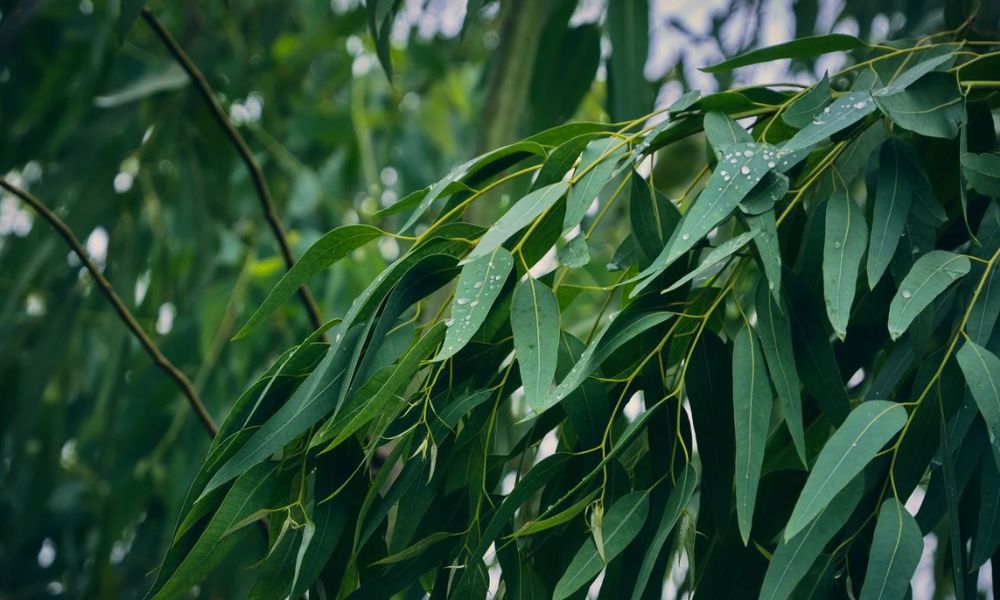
96, 119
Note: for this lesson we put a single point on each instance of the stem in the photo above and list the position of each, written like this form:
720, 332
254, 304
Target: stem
270, 215
123, 313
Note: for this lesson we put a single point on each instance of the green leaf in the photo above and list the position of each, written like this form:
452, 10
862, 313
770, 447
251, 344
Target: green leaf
247, 496
794, 557
629, 94
565, 65
801, 112
504, 154
601, 156
563, 516
988, 524
983, 172
740, 168
534, 320
930, 275
417, 548
621, 524
303, 409
839, 115
614, 335
752, 401
653, 217
561, 160
911, 75
931, 107
327, 250
765, 194
804, 47
843, 247
982, 373
521, 214
684, 488
328, 521
722, 131
775, 334
575, 253
892, 205
128, 12
379, 395
896, 549
478, 287
714, 257
765, 239
869, 426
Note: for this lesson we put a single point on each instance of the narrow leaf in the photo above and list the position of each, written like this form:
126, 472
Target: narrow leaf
931, 274
839, 115
843, 247
600, 157
684, 488
523, 212
621, 524
869, 426
896, 549
892, 205
534, 320
805, 47
983, 172
327, 250
752, 400
801, 112
714, 257
982, 373
479, 285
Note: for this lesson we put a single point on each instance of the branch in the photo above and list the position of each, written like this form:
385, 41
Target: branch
123, 313
244, 151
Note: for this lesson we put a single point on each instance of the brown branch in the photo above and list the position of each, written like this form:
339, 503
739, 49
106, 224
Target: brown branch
123, 313
201, 84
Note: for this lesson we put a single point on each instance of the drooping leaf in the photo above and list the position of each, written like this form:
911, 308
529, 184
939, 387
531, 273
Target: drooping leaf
982, 373
740, 168
931, 274
896, 550
621, 524
303, 409
653, 217
629, 94
601, 156
752, 401
801, 112
911, 75
561, 160
379, 395
765, 194
479, 285
775, 333
534, 320
327, 250
765, 239
615, 334
804, 47
932, 106
564, 69
983, 172
892, 206
855, 443
518, 216
987, 536
839, 115
714, 257
843, 248
684, 488
793, 557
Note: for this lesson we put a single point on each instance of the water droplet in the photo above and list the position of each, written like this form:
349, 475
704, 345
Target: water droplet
859, 105
836, 244
907, 294
724, 173
771, 165
826, 110
770, 285
449, 322
478, 285
725, 177
462, 301
745, 170
747, 153
686, 237
474, 303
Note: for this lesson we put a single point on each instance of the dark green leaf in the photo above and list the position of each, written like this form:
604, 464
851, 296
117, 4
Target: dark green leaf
896, 550
478, 287
892, 206
930, 275
843, 248
805, 47
982, 373
839, 115
752, 400
983, 172
801, 112
848, 451
523, 212
534, 320
932, 106
600, 157
629, 94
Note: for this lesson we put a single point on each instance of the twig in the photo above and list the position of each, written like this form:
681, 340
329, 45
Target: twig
244, 151
123, 313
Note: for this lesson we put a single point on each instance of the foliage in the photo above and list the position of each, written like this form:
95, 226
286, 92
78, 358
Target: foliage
732, 386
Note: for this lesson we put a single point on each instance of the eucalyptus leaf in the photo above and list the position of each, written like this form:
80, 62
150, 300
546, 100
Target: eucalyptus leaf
896, 550
982, 373
893, 196
804, 47
752, 400
479, 285
930, 276
843, 248
534, 319
523, 212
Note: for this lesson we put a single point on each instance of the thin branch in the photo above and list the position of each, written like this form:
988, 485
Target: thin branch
123, 313
263, 193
